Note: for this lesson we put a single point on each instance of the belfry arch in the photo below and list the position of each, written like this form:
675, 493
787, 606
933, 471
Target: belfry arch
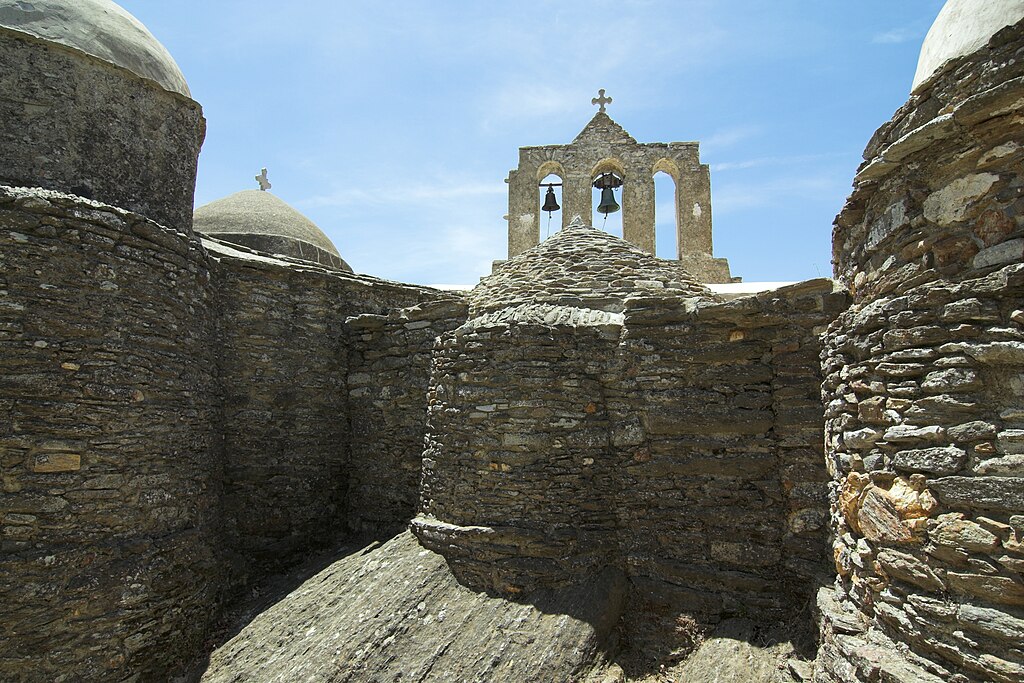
604, 146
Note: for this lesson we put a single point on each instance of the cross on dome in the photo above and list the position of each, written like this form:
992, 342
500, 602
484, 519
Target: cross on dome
601, 100
263, 181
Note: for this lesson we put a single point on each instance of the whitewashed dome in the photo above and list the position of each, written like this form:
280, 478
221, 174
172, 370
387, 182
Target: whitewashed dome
99, 28
963, 27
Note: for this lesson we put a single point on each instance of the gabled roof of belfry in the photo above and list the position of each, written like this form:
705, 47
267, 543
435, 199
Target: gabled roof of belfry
602, 128
584, 267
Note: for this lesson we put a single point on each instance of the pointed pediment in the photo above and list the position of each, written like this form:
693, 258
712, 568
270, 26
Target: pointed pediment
603, 129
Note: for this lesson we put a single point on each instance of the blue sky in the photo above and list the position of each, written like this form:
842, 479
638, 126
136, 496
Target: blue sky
393, 124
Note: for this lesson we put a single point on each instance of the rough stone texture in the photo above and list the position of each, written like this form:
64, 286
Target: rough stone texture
158, 453
678, 441
389, 372
287, 431
262, 221
923, 389
79, 125
110, 481
603, 146
99, 28
397, 613
581, 267
717, 419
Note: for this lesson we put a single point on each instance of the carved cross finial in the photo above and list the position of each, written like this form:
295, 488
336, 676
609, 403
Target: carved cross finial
601, 99
262, 180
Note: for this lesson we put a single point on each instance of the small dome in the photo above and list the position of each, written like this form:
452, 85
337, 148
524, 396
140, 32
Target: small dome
264, 222
99, 28
582, 267
963, 27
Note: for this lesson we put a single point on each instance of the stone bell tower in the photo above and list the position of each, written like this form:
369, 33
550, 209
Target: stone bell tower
603, 146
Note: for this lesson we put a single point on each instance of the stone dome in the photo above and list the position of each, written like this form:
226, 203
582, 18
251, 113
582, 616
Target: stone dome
962, 27
264, 222
582, 267
99, 28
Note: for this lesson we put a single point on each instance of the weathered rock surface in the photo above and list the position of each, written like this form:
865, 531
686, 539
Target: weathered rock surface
396, 613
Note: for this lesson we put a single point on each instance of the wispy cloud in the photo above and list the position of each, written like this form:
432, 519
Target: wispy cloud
520, 100
762, 162
403, 193
730, 197
728, 137
895, 36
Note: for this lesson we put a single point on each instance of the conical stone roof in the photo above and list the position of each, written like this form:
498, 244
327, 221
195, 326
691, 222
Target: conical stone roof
581, 267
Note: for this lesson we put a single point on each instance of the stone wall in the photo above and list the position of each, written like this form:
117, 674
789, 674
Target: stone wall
176, 427
284, 368
722, 496
389, 372
518, 472
110, 466
924, 393
679, 442
77, 124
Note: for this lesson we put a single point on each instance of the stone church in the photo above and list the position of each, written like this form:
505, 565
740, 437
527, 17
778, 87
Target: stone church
227, 457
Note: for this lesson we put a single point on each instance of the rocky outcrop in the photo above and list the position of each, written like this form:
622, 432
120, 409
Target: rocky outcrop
396, 612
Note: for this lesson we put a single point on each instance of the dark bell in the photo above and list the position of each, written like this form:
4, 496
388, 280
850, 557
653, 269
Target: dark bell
550, 203
608, 204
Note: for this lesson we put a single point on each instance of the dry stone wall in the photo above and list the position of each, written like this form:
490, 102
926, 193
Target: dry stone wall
174, 426
110, 475
721, 495
389, 372
77, 124
517, 473
679, 442
923, 388
288, 435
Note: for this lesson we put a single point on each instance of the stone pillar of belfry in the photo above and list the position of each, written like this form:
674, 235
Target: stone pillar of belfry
638, 211
523, 212
577, 197
693, 204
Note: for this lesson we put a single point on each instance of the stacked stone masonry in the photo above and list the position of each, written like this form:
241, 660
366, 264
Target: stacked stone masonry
80, 125
175, 427
389, 372
110, 476
590, 431
679, 442
923, 388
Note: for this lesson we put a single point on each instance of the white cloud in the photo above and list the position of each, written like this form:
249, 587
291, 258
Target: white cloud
407, 192
894, 37
728, 137
519, 100
731, 197
772, 161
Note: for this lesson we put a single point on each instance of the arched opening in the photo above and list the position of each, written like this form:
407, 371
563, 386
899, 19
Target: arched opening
611, 222
550, 221
665, 216
666, 208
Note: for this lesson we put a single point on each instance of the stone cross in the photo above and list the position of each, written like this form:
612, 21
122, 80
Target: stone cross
601, 99
262, 180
